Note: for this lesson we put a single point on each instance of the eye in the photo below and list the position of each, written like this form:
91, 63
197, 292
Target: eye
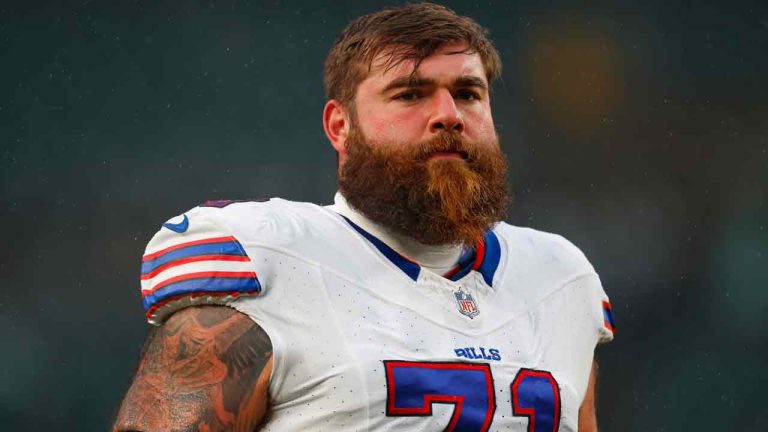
467, 95
407, 96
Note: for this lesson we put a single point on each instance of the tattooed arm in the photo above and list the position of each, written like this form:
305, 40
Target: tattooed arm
206, 369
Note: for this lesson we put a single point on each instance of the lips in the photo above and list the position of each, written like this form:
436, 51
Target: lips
450, 154
445, 145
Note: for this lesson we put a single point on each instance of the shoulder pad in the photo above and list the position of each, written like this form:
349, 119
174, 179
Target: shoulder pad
560, 264
192, 260
552, 250
276, 223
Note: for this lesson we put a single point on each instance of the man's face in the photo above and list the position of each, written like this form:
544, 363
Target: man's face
448, 92
422, 156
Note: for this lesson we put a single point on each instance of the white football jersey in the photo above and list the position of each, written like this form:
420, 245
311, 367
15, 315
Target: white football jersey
365, 339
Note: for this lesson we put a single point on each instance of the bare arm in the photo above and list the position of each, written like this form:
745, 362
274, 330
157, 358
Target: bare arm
587, 415
206, 369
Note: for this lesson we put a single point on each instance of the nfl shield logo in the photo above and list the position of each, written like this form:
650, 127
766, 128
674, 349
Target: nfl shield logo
466, 303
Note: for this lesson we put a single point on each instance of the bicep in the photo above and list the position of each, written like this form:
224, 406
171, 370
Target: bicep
206, 368
587, 414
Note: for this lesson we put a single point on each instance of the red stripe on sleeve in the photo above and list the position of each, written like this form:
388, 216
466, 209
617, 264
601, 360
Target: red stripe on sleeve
199, 275
191, 259
162, 252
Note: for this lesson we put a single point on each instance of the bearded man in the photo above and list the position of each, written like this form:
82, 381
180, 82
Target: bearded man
405, 305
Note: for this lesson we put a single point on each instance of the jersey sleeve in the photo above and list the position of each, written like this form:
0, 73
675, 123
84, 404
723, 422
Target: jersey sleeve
589, 298
605, 317
192, 261
572, 323
585, 306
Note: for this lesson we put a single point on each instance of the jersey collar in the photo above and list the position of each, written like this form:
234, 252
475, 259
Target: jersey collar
483, 258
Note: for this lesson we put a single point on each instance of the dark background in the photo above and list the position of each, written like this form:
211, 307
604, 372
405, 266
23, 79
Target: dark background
638, 130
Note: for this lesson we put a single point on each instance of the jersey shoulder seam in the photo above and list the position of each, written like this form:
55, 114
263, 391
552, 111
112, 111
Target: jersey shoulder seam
562, 285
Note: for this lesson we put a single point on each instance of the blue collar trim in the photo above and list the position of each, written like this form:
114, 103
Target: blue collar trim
409, 267
492, 257
487, 267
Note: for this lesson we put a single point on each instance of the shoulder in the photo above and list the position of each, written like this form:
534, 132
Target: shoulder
209, 254
540, 264
272, 216
543, 248
268, 222
557, 278
274, 222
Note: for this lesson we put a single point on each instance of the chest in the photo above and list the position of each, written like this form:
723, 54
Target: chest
421, 376
388, 356
433, 367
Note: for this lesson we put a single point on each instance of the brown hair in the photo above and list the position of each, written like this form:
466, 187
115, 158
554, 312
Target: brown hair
411, 32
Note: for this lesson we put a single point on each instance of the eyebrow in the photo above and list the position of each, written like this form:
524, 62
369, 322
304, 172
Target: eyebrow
410, 82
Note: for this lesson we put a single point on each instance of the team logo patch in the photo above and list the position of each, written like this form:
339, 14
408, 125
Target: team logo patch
466, 304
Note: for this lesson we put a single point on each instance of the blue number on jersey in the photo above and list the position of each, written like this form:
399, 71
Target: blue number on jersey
412, 388
536, 395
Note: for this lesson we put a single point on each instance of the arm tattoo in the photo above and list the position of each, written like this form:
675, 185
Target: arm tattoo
199, 372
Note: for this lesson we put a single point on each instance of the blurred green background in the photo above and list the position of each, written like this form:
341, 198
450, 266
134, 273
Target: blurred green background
639, 130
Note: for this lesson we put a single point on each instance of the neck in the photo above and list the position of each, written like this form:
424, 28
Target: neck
436, 258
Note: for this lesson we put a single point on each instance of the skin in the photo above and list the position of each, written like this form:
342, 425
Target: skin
587, 414
451, 93
208, 368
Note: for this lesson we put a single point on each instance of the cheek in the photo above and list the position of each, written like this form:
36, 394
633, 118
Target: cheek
396, 127
481, 123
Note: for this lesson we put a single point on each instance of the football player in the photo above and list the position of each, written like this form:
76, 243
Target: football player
407, 305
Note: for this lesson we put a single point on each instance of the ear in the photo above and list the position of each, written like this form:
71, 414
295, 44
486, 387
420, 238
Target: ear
336, 126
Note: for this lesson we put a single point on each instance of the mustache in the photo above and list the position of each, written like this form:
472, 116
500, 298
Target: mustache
446, 142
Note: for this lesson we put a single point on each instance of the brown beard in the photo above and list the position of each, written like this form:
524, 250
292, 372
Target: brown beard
437, 201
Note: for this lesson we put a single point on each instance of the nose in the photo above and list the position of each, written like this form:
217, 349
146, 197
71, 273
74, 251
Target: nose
445, 114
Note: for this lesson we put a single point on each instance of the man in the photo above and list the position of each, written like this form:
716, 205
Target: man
406, 305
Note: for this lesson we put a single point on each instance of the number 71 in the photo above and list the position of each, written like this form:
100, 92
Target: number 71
412, 388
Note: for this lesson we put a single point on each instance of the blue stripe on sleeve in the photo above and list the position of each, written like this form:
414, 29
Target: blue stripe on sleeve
608, 316
221, 248
202, 286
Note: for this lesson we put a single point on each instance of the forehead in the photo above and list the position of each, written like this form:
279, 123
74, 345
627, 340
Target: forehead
446, 63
